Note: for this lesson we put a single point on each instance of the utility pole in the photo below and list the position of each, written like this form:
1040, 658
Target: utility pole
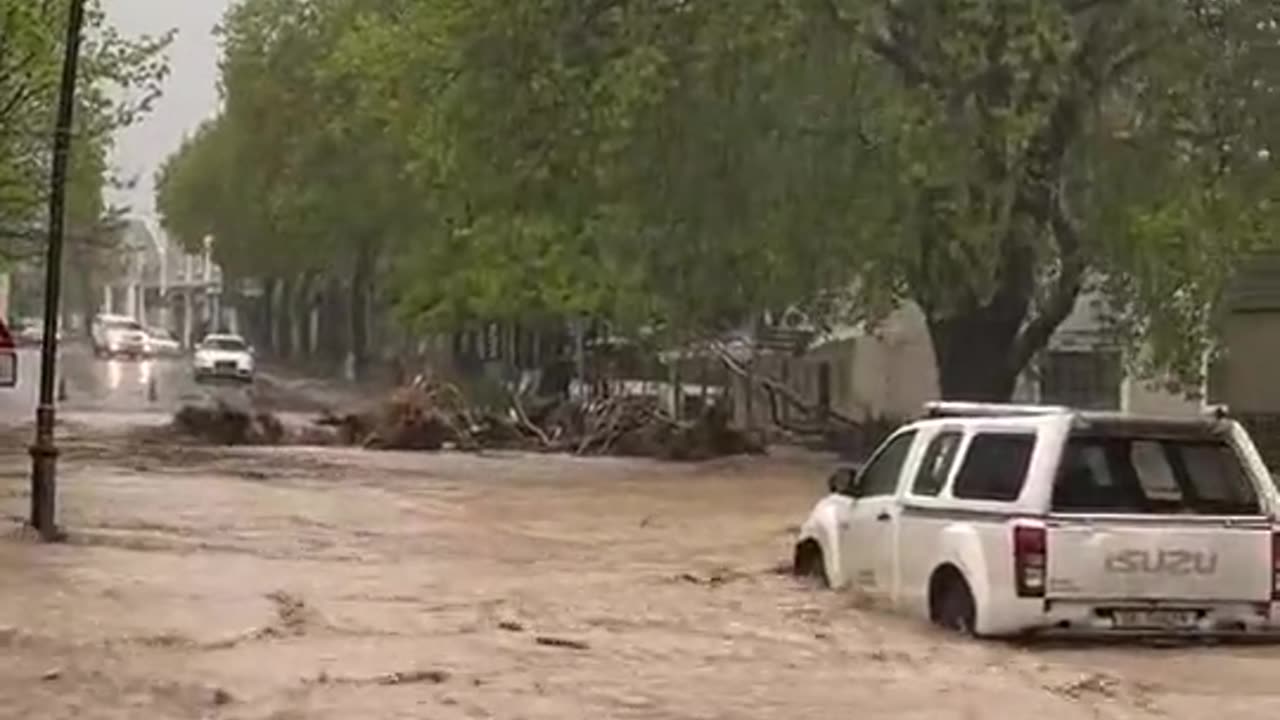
44, 453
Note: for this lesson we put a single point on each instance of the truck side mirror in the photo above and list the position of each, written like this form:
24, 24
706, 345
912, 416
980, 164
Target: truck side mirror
844, 481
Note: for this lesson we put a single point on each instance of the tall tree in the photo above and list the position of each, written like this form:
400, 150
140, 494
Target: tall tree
1049, 144
121, 79
684, 166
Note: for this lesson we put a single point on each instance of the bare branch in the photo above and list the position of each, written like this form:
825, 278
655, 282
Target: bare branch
1062, 298
886, 43
897, 54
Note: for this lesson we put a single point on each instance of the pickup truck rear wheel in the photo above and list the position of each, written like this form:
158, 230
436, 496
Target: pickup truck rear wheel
951, 604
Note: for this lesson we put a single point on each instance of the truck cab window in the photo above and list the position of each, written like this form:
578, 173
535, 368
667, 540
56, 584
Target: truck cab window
936, 465
881, 475
995, 467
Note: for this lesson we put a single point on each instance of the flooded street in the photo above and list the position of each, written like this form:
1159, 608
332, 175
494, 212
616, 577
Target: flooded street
462, 281
293, 583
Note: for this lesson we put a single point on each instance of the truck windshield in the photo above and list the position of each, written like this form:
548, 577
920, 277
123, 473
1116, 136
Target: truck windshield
1139, 475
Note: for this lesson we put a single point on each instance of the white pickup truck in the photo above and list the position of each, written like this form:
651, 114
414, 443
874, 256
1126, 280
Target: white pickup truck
1005, 520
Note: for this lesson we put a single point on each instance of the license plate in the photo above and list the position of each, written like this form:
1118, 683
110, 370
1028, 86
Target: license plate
1155, 619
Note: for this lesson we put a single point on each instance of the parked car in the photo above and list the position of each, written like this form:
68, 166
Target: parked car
29, 332
162, 343
1008, 520
118, 335
223, 356
8, 357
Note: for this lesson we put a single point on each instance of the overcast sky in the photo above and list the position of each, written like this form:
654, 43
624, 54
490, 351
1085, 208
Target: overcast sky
190, 93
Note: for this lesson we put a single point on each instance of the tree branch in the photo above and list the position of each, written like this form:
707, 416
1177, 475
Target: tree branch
888, 44
896, 53
1062, 299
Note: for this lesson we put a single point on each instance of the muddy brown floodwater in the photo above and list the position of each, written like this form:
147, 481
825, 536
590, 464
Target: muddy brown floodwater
287, 583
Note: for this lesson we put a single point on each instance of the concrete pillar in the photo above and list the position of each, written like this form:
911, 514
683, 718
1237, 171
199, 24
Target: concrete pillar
206, 262
4, 296
108, 299
166, 315
187, 319
142, 305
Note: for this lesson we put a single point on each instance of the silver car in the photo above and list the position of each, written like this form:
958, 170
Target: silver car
162, 343
223, 357
118, 335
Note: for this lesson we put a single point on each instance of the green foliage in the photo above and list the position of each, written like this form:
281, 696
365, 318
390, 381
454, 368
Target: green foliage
120, 79
685, 166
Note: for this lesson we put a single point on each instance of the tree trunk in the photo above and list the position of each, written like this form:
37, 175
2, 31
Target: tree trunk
974, 353
269, 325
260, 322
299, 317
334, 324
359, 311
676, 383
285, 317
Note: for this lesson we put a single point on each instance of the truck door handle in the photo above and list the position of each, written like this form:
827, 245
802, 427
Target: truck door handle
883, 516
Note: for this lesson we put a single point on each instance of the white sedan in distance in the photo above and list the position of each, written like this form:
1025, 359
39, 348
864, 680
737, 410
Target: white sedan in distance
223, 356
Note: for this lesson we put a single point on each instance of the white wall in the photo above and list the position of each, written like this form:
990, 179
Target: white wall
894, 371
891, 368
1146, 397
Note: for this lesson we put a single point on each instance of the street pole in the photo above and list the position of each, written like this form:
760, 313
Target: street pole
44, 453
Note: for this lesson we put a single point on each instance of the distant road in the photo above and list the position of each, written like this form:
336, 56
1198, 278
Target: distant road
117, 386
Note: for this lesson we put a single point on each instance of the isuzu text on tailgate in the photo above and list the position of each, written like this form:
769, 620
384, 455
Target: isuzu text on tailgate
1012, 520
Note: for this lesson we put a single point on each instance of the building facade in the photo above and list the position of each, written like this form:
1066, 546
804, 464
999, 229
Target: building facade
161, 284
887, 372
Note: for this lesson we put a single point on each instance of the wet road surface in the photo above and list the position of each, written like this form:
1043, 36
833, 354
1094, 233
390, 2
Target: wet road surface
291, 583
285, 583
100, 385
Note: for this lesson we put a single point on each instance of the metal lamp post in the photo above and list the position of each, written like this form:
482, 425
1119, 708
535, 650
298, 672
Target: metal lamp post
44, 453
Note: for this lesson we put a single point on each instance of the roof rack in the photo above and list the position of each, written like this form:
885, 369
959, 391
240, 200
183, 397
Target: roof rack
943, 409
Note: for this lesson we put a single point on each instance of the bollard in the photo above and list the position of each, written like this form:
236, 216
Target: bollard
152, 395
62, 389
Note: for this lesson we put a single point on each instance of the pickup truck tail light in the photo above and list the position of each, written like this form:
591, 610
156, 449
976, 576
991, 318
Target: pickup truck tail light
1275, 565
1030, 560
8, 358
